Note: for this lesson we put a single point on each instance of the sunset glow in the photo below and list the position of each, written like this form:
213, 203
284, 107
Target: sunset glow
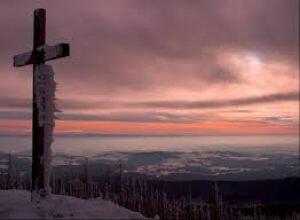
212, 69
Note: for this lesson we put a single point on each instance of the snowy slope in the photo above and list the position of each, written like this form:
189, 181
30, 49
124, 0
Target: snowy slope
16, 204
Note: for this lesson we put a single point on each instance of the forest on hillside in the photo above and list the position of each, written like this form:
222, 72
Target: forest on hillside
186, 200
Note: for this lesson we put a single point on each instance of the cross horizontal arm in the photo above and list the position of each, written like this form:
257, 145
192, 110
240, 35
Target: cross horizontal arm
57, 51
51, 53
23, 59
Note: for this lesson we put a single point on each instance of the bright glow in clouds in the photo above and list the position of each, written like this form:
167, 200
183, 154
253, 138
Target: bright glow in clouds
202, 67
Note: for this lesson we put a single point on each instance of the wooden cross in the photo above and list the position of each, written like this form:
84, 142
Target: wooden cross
37, 57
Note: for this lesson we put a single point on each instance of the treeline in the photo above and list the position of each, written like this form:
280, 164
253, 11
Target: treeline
143, 195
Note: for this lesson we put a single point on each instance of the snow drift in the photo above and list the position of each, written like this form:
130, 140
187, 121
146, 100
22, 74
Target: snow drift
15, 204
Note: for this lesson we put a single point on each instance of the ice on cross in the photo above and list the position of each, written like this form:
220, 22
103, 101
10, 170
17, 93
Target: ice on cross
45, 87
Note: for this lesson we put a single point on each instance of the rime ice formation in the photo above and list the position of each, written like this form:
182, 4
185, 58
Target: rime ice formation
45, 87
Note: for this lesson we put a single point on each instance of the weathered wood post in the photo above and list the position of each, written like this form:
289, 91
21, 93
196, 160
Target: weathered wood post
39, 39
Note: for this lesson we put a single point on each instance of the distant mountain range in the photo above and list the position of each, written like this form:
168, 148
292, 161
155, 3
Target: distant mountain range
264, 170
181, 166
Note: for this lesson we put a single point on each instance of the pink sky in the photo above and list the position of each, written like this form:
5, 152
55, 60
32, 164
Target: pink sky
145, 67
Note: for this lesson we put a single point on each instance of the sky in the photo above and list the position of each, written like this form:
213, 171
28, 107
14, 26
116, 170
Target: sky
159, 67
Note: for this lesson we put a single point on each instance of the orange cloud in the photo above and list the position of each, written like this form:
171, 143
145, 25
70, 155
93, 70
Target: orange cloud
177, 128
11, 126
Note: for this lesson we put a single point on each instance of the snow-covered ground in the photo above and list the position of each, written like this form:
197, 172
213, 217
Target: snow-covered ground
15, 204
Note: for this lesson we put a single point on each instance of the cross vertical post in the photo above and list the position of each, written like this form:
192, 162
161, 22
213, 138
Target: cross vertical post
39, 39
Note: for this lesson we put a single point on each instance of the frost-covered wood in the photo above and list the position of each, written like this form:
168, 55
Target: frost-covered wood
45, 87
